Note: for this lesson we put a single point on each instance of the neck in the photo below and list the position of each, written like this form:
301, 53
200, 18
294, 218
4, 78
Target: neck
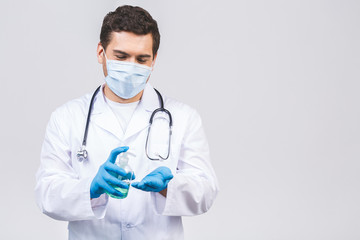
115, 98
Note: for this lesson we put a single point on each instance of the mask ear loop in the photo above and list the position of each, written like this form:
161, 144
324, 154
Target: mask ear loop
104, 53
105, 58
152, 65
152, 69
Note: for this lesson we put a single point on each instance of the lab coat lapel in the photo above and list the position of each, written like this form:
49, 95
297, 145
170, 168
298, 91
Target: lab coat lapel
140, 119
138, 122
104, 117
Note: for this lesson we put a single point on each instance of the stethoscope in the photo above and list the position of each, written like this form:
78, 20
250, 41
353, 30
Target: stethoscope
82, 154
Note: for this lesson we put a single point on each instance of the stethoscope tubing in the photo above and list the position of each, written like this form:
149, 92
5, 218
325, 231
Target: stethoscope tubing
82, 153
89, 115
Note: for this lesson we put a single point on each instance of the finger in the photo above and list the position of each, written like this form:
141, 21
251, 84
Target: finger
132, 176
143, 187
139, 185
165, 172
135, 184
167, 182
118, 194
115, 181
151, 188
115, 169
115, 152
168, 177
153, 182
109, 189
129, 176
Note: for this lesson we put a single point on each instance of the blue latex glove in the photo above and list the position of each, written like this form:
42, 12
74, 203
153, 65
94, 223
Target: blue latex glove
107, 174
155, 181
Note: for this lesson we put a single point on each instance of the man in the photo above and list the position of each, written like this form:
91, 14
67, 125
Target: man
74, 188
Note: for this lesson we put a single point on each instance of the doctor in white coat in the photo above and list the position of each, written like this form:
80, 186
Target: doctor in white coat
76, 191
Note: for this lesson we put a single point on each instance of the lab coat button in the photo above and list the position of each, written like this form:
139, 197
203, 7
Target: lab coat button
128, 225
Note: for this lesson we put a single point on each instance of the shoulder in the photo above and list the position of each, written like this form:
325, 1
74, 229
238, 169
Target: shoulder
177, 105
72, 108
181, 111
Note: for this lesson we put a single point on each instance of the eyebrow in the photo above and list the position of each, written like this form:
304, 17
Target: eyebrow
121, 52
144, 56
126, 54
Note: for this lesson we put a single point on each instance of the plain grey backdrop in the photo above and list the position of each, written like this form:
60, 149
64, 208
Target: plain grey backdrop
276, 83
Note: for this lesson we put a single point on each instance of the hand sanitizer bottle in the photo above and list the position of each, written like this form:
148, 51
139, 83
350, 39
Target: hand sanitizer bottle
122, 161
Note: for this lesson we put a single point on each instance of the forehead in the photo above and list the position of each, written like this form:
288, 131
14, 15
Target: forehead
131, 43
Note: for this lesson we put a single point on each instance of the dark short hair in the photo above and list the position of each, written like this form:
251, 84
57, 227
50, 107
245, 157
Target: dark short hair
130, 19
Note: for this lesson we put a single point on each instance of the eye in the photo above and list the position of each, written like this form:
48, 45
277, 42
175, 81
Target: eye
120, 57
141, 60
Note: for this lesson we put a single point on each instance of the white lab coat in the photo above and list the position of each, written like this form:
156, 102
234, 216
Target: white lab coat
63, 183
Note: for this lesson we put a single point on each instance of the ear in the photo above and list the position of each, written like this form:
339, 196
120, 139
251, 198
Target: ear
100, 53
153, 64
154, 60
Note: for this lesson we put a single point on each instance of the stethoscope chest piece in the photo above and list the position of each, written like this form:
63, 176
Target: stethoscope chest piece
82, 154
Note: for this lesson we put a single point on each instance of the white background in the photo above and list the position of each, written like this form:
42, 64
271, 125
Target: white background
276, 82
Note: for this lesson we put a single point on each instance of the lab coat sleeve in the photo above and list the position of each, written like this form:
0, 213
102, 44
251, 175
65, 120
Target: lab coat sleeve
60, 193
194, 187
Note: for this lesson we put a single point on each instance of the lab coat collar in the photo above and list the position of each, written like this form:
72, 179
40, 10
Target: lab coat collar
149, 100
103, 116
141, 116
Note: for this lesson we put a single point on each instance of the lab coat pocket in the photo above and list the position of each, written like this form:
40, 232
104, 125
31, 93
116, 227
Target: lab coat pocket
172, 161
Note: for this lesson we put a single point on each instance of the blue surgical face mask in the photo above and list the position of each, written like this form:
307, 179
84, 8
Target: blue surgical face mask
126, 79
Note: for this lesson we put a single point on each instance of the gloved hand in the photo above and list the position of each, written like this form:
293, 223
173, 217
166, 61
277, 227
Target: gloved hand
106, 175
155, 181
